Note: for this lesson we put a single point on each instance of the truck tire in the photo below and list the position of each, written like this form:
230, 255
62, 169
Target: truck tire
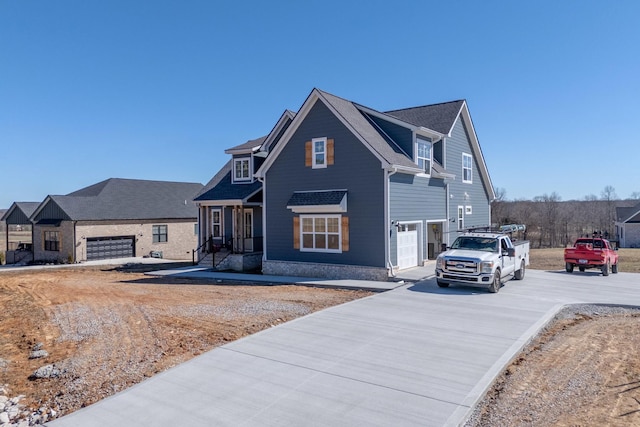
569, 267
614, 268
519, 275
605, 269
442, 284
494, 287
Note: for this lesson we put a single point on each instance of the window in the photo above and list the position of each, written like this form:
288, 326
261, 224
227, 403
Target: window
159, 233
319, 152
216, 223
241, 169
195, 230
460, 217
423, 155
467, 164
51, 241
320, 233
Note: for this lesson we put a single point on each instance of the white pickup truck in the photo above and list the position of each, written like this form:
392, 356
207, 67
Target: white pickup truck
482, 259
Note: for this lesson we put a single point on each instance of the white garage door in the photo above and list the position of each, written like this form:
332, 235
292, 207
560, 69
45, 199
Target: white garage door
408, 246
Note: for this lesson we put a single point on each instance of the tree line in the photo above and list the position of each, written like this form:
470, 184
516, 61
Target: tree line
553, 223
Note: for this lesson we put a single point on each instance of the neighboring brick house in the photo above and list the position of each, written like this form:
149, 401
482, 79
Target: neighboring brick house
628, 226
117, 218
351, 192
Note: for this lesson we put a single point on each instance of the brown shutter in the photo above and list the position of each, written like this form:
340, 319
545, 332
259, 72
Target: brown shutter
308, 150
345, 233
330, 155
296, 232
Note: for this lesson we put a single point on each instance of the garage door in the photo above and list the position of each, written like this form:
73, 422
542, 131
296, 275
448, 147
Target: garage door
110, 247
408, 246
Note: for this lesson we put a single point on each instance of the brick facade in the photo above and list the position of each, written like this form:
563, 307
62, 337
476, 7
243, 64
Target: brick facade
181, 238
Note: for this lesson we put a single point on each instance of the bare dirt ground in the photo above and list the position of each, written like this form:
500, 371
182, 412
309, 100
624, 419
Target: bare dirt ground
107, 330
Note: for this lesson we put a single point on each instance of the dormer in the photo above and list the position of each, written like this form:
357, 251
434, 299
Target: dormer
246, 159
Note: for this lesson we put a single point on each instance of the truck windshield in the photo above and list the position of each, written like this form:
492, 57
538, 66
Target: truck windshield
476, 243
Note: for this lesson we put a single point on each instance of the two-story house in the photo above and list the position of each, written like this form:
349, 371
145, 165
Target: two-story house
351, 192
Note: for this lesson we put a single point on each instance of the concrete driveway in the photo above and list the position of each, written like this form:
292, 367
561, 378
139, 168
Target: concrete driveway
417, 355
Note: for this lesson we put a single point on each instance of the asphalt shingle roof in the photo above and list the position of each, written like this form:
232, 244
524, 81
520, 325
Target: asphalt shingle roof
224, 189
121, 199
351, 114
316, 198
254, 143
438, 117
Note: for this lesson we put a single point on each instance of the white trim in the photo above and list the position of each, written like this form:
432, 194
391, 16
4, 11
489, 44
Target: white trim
460, 217
477, 150
417, 157
322, 165
313, 233
308, 104
236, 160
219, 223
470, 168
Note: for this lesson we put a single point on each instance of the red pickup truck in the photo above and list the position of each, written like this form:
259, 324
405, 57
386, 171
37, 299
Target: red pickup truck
591, 253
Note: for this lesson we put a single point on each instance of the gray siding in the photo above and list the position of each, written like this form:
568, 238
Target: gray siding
18, 217
414, 198
355, 169
51, 211
400, 135
476, 193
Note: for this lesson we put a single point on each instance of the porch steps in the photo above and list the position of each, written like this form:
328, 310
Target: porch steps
209, 261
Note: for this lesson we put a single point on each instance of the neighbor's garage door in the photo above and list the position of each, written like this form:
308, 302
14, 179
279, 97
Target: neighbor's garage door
408, 246
110, 247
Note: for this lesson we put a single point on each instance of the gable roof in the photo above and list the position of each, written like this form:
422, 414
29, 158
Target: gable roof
390, 155
125, 199
626, 214
25, 209
439, 117
435, 120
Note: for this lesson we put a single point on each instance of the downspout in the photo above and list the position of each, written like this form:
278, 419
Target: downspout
387, 220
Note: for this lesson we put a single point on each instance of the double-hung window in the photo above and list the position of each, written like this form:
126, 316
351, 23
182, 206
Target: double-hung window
423, 155
319, 152
159, 233
467, 168
51, 241
320, 233
242, 169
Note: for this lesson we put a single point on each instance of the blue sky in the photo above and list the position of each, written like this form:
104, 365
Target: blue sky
158, 89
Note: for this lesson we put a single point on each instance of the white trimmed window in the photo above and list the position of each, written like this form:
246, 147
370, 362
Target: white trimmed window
320, 233
216, 223
319, 153
467, 168
460, 217
423, 155
242, 169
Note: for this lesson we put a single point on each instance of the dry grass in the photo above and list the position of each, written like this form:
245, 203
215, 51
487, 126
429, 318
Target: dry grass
552, 259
